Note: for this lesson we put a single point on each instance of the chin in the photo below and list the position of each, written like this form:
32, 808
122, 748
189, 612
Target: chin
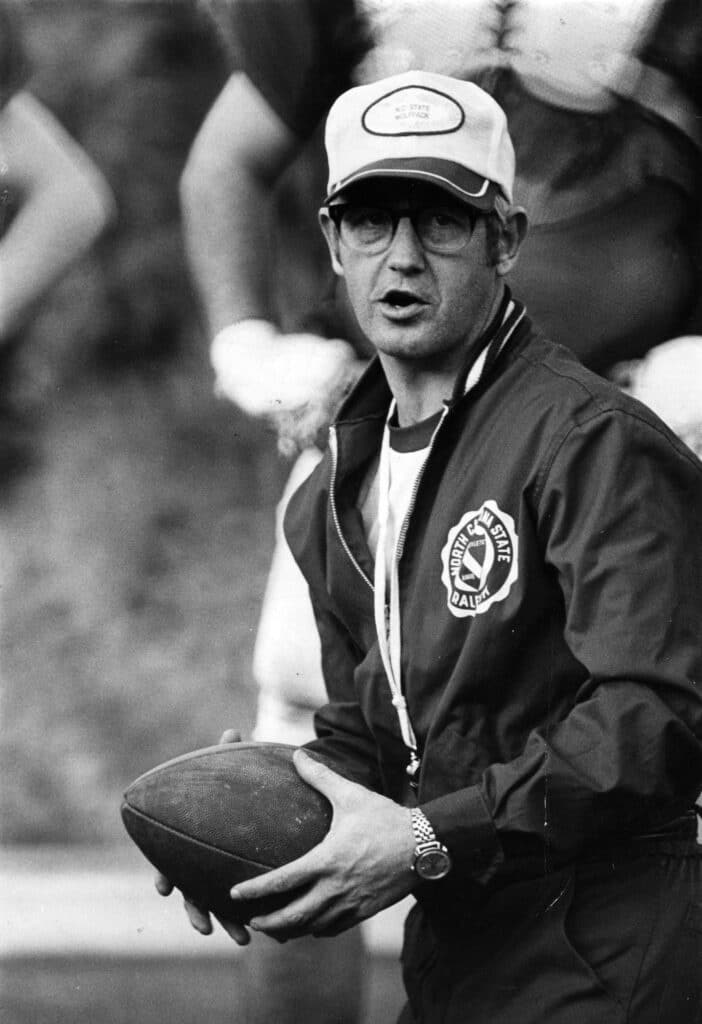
408, 344
401, 339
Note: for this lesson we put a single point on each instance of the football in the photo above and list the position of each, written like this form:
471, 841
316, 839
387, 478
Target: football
214, 817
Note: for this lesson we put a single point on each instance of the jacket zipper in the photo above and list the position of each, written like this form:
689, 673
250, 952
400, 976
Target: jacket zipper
415, 755
334, 448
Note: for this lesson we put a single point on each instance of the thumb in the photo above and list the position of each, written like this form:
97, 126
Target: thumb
328, 782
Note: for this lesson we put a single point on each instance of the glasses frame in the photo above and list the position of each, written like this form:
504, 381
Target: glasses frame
396, 214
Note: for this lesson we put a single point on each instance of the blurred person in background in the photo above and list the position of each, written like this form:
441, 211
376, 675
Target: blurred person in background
54, 204
669, 381
603, 104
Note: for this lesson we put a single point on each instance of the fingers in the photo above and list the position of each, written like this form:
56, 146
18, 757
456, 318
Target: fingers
299, 886
328, 925
298, 874
199, 919
315, 912
332, 785
163, 886
299, 917
202, 923
230, 736
238, 932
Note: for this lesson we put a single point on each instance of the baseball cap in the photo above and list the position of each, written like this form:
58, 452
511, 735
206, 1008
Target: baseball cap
422, 126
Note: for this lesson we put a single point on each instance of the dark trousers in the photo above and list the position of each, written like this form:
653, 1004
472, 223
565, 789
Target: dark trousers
608, 940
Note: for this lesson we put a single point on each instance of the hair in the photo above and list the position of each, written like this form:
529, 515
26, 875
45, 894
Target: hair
502, 208
495, 222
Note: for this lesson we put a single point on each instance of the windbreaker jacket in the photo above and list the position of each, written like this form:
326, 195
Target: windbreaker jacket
550, 587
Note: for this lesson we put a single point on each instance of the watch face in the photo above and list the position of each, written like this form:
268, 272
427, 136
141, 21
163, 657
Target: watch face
433, 864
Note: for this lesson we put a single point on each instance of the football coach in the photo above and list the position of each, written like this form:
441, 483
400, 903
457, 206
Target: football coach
504, 555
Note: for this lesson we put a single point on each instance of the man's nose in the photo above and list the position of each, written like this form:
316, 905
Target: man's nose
406, 252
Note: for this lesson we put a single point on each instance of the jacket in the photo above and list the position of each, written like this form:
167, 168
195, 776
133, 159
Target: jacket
550, 589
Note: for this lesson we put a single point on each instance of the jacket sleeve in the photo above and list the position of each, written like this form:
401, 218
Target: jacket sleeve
344, 741
619, 519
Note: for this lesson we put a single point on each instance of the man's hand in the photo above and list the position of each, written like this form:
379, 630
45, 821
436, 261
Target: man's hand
307, 425
295, 381
199, 918
362, 866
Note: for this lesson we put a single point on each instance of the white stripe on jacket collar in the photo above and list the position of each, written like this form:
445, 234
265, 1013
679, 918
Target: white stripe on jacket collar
493, 349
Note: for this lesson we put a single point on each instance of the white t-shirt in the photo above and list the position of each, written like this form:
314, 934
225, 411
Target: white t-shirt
408, 450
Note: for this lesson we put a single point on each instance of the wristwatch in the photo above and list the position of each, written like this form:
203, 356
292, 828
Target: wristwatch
432, 860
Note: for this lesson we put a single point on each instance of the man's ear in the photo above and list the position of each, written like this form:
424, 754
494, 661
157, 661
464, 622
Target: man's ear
331, 236
508, 240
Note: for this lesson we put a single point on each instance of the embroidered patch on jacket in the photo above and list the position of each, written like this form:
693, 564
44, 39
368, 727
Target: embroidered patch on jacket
479, 560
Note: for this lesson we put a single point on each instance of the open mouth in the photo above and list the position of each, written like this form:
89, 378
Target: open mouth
401, 300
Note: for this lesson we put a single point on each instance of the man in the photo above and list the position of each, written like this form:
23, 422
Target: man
505, 565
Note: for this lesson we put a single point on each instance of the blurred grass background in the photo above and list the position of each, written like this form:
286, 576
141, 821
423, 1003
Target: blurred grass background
180, 991
136, 509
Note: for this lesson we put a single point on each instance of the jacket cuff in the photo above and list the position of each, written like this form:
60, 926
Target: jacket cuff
464, 825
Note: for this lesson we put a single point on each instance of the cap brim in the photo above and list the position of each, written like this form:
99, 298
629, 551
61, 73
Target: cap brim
465, 185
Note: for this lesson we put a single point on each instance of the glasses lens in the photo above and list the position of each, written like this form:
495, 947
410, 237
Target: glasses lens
444, 230
366, 228
370, 229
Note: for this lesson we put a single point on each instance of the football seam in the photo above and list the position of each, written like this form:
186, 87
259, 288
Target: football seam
193, 839
214, 750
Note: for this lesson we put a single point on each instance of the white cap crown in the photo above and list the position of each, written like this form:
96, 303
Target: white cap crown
423, 126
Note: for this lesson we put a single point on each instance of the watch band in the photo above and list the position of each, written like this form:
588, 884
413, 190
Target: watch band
432, 860
421, 826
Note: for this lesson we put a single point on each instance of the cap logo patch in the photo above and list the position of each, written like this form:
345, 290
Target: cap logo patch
413, 110
479, 560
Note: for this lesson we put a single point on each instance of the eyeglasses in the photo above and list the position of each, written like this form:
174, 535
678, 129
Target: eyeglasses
371, 229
